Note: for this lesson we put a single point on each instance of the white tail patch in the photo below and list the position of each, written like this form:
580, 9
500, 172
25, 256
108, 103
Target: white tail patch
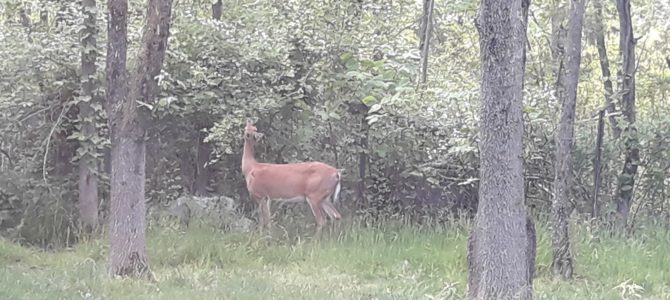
336, 194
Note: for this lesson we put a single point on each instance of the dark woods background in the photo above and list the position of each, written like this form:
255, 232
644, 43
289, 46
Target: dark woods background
337, 81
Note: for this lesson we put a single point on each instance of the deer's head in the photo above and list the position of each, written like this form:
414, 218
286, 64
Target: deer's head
251, 135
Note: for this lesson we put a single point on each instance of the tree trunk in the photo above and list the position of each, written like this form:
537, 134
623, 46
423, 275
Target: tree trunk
128, 249
557, 30
128, 130
217, 9
605, 67
597, 163
632, 152
525, 6
88, 180
499, 260
567, 93
363, 158
202, 171
44, 15
426, 33
531, 250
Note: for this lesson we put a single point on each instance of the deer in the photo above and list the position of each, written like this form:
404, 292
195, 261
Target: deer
315, 182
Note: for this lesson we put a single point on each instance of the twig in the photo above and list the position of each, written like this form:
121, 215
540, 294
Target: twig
407, 27
333, 144
34, 113
46, 151
9, 158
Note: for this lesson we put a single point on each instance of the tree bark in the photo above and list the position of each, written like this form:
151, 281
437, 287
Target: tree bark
128, 130
202, 170
557, 31
217, 9
426, 33
128, 249
597, 164
499, 260
567, 93
531, 251
88, 180
363, 158
605, 67
525, 6
44, 15
632, 152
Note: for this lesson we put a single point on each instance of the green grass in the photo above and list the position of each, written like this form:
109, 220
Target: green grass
356, 263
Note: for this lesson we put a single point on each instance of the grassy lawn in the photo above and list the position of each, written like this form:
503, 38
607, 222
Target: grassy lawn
356, 263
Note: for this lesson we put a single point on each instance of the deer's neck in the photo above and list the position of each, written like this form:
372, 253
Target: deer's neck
248, 160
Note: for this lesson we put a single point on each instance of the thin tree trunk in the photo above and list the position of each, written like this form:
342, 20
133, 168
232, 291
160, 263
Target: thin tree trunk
44, 15
363, 157
25, 20
202, 171
26, 23
597, 163
499, 242
605, 67
128, 125
525, 7
217, 9
531, 246
88, 180
426, 34
632, 152
567, 93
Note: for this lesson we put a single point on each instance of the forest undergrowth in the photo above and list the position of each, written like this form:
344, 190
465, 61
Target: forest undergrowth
352, 261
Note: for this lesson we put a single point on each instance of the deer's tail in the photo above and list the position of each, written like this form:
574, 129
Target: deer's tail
336, 194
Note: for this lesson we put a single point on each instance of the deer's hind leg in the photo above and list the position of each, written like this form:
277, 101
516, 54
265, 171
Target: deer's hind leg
315, 205
332, 212
330, 209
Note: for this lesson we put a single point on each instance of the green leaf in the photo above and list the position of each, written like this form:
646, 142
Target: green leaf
345, 57
528, 109
358, 75
369, 100
388, 74
382, 153
351, 64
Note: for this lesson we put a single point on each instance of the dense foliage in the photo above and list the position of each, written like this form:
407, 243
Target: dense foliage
335, 81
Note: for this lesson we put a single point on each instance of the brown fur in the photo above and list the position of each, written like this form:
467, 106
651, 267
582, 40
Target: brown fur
314, 182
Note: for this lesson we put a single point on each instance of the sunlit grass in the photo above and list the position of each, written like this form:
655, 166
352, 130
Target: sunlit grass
352, 262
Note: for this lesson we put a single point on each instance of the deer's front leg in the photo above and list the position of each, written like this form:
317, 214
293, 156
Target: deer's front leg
264, 211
